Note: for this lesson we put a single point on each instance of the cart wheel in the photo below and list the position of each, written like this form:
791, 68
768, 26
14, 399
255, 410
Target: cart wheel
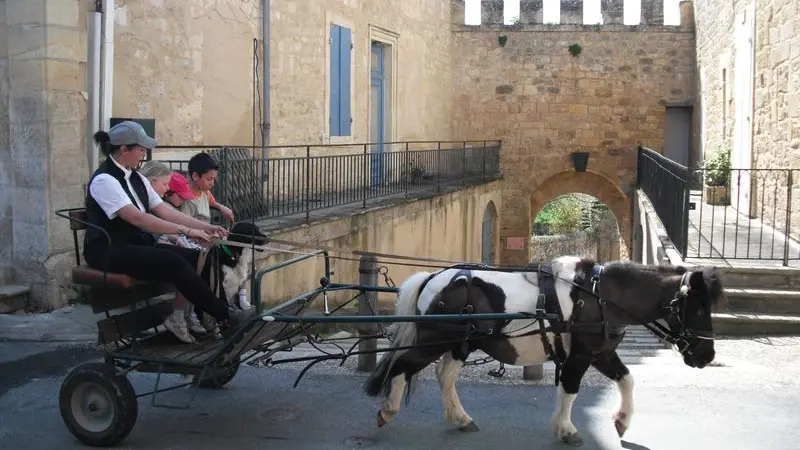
98, 406
217, 377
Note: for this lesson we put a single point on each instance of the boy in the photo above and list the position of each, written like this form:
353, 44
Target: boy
202, 176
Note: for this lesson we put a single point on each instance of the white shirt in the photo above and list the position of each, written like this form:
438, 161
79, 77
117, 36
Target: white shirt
108, 193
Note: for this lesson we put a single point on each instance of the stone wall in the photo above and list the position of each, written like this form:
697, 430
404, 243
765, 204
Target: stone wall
546, 103
599, 243
446, 226
42, 162
189, 64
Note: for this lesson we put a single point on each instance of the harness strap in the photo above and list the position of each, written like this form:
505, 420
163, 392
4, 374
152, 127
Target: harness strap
548, 303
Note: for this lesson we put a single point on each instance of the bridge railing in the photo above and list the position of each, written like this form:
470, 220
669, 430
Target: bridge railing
666, 184
292, 180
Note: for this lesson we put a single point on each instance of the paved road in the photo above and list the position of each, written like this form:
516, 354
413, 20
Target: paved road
727, 407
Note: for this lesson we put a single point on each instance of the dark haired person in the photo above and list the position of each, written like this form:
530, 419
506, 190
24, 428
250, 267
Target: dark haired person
123, 203
203, 169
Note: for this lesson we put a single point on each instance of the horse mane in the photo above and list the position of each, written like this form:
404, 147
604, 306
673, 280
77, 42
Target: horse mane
711, 276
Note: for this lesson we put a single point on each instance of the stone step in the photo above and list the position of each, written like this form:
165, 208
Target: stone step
13, 298
742, 323
760, 277
763, 301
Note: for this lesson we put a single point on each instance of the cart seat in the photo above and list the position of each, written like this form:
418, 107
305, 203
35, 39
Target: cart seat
87, 275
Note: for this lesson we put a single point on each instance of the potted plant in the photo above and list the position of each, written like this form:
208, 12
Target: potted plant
717, 179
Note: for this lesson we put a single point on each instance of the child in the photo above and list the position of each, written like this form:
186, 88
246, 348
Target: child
159, 176
202, 176
179, 195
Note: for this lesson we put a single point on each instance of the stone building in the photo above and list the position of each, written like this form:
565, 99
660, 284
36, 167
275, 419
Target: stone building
549, 92
748, 57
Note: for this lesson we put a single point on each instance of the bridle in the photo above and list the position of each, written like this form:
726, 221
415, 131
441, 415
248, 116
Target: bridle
677, 309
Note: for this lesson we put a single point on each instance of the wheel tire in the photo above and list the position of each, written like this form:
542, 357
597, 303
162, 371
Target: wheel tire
98, 406
219, 376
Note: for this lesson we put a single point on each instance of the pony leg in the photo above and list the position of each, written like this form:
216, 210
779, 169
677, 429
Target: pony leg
611, 366
400, 374
391, 404
575, 367
447, 373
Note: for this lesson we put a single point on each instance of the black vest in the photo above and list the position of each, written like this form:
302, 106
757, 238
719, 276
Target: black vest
120, 231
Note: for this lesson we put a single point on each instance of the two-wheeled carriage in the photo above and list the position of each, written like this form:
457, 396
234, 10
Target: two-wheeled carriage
97, 401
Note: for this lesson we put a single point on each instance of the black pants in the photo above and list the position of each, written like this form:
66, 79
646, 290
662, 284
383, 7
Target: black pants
165, 263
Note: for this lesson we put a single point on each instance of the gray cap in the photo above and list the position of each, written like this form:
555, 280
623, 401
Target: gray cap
129, 133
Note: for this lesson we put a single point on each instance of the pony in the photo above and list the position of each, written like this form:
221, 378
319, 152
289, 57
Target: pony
594, 302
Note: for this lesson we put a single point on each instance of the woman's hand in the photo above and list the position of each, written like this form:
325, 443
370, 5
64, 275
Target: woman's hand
198, 235
216, 230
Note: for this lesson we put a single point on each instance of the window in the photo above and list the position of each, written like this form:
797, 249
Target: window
341, 42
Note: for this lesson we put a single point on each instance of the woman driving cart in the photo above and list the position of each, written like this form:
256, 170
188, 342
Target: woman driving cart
124, 204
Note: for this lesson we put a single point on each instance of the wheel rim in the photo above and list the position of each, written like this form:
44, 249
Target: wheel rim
92, 407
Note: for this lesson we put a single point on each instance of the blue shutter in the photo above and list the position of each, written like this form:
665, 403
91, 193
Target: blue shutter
345, 53
334, 80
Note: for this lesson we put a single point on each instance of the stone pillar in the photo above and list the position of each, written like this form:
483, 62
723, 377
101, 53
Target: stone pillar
612, 11
571, 12
6, 178
652, 12
531, 11
45, 152
687, 14
491, 12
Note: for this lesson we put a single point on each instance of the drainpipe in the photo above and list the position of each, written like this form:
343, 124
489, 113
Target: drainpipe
265, 125
94, 34
107, 81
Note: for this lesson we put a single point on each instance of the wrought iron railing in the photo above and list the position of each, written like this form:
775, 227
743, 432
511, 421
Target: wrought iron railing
665, 183
751, 216
299, 180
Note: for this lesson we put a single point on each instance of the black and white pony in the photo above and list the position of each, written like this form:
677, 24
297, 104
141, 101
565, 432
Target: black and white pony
597, 303
236, 261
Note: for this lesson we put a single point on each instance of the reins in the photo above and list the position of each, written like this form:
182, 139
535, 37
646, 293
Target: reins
656, 328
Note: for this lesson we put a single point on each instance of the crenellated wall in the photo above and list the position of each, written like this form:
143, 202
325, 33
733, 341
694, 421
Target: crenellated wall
571, 12
550, 91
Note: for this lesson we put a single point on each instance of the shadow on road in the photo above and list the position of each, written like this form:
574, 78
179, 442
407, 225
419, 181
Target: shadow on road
632, 446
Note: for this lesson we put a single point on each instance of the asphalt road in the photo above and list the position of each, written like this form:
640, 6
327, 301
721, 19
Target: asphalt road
261, 410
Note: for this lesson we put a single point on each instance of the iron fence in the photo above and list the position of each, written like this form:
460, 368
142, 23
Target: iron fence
666, 184
297, 180
751, 215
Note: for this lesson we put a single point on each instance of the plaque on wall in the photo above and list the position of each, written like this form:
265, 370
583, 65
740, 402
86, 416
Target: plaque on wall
515, 243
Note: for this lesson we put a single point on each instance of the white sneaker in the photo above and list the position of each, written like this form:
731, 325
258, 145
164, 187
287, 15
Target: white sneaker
177, 325
194, 325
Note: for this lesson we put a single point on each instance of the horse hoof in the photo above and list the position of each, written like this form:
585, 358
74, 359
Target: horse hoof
381, 420
469, 428
573, 439
621, 428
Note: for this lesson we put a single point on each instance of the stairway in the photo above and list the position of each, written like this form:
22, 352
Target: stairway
761, 300
13, 298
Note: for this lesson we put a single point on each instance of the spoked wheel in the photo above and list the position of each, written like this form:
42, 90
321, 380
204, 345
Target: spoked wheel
217, 377
98, 406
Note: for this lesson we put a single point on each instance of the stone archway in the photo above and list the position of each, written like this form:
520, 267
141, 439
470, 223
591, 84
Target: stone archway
489, 234
592, 184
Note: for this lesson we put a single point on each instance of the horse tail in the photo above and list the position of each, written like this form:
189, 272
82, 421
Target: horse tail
404, 334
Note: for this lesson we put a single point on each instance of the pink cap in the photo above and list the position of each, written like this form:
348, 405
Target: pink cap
179, 185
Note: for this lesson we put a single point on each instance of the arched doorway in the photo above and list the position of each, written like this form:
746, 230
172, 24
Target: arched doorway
489, 234
596, 185
575, 224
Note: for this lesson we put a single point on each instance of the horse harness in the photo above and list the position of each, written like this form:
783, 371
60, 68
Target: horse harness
548, 303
